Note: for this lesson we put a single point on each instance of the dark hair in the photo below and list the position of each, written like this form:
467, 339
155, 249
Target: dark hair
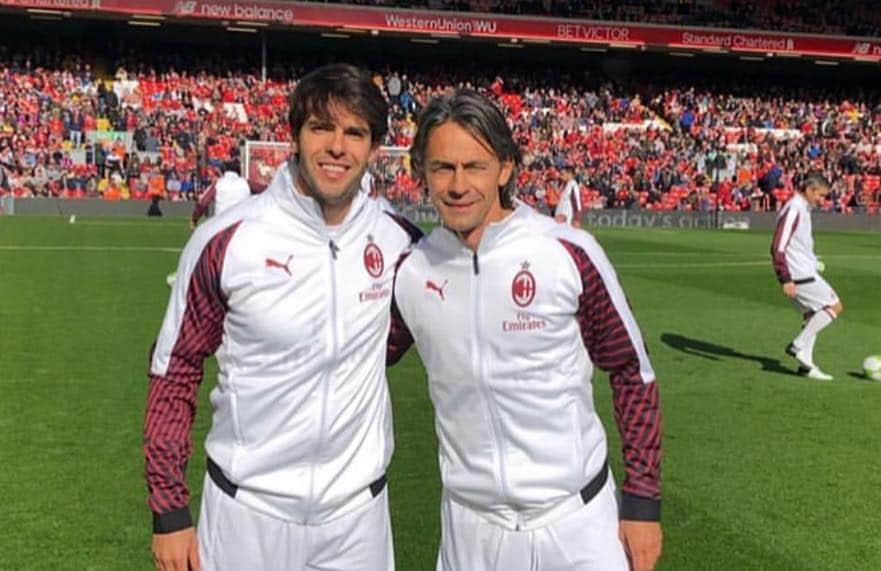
477, 115
233, 166
815, 178
341, 84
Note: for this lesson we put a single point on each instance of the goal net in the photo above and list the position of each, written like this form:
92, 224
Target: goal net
260, 160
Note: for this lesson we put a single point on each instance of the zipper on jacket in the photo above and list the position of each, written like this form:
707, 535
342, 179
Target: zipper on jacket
325, 385
479, 367
475, 264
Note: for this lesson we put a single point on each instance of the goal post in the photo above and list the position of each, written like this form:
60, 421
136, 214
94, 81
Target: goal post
261, 159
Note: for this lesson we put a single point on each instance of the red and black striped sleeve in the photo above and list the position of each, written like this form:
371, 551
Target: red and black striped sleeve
614, 343
204, 202
787, 223
193, 331
399, 337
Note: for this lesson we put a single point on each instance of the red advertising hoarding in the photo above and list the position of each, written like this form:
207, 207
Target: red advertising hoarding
503, 28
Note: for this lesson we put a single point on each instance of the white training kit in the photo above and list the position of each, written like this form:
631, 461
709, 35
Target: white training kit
570, 202
509, 336
230, 190
297, 314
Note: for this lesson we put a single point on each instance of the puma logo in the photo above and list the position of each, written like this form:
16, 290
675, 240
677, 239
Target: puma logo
439, 289
270, 263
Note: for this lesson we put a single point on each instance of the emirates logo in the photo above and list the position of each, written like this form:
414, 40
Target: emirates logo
523, 286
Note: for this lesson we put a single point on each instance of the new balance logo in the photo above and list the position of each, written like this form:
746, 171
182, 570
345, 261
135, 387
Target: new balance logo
185, 8
862, 48
270, 263
431, 286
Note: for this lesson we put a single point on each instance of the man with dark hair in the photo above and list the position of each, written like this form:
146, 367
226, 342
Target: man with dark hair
291, 290
510, 311
798, 271
569, 208
228, 190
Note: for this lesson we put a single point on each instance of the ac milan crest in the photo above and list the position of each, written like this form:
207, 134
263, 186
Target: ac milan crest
523, 286
373, 260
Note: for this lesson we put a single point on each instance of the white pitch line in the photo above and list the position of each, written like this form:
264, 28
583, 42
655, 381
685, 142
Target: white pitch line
696, 264
729, 254
728, 264
91, 248
680, 254
180, 224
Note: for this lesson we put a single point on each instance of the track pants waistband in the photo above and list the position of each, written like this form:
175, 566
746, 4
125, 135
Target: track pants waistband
231, 489
540, 517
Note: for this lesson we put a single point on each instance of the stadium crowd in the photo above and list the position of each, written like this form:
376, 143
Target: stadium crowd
166, 132
848, 17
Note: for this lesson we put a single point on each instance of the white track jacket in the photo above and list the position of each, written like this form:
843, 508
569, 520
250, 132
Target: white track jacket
792, 248
298, 316
509, 336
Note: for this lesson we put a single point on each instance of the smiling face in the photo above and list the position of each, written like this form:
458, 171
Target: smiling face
464, 177
334, 152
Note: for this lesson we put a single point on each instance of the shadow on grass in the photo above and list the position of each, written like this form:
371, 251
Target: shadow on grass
860, 376
715, 352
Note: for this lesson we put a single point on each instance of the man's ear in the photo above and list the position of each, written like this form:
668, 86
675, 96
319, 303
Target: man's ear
506, 172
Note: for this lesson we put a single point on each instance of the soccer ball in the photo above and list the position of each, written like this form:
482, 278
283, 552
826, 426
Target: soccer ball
872, 367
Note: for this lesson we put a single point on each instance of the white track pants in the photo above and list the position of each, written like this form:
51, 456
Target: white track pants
583, 540
234, 537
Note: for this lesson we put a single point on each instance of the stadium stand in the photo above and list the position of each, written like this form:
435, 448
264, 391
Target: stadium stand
676, 144
847, 17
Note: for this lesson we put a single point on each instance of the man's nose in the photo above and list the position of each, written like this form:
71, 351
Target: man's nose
458, 184
336, 143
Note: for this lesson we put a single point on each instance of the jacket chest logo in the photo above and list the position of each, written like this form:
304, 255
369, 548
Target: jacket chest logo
439, 289
286, 267
523, 286
373, 259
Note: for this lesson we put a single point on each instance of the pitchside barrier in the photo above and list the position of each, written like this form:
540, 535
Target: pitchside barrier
93, 207
135, 208
424, 212
723, 220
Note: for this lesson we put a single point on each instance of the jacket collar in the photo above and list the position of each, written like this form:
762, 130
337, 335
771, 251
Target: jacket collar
304, 208
494, 233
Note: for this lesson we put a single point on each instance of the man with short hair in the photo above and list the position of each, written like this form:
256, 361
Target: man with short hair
568, 209
291, 290
368, 187
510, 311
228, 190
798, 271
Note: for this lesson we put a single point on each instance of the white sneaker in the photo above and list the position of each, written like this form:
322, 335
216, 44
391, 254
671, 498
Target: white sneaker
799, 355
816, 374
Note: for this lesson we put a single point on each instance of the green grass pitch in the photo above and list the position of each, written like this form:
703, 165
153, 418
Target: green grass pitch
762, 469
